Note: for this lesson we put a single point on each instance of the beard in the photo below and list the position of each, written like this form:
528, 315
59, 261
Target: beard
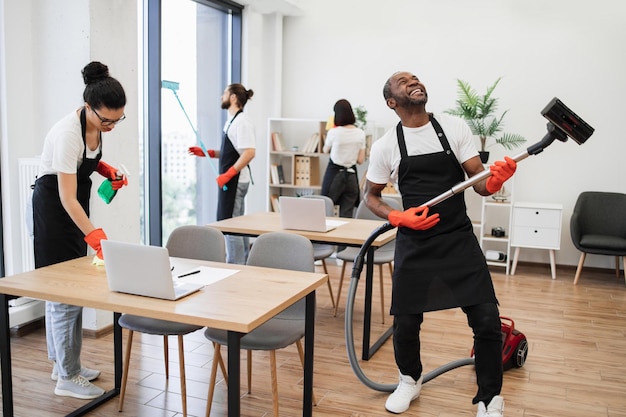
408, 102
225, 105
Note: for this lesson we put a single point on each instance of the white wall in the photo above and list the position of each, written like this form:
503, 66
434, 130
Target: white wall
569, 49
47, 43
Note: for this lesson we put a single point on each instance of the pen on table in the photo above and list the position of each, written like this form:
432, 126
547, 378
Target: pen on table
197, 271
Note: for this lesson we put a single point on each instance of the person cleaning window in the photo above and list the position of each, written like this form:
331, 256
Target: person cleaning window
236, 152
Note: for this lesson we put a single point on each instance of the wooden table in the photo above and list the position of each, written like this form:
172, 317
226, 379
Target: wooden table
354, 233
263, 291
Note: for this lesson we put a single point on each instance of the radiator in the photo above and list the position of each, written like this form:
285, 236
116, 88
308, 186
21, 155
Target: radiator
24, 310
28, 168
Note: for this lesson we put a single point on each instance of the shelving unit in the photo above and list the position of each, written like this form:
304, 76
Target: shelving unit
302, 172
496, 214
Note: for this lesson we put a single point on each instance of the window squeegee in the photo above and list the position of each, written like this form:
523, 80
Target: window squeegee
174, 86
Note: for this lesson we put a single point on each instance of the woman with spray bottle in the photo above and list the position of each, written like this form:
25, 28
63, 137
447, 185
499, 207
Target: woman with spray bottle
61, 226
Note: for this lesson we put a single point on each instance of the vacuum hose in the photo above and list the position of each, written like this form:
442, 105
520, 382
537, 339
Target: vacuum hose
352, 356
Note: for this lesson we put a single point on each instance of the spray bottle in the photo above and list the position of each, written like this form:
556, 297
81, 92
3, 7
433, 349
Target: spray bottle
106, 191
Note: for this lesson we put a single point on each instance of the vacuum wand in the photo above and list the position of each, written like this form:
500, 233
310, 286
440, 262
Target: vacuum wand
562, 123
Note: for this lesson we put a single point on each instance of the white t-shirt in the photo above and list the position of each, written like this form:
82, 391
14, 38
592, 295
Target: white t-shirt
344, 144
241, 134
385, 154
63, 147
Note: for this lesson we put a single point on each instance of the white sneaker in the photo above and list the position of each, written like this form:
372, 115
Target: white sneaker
88, 374
494, 409
77, 387
408, 389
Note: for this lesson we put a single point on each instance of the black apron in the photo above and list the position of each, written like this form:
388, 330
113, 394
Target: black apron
56, 236
228, 157
442, 267
336, 172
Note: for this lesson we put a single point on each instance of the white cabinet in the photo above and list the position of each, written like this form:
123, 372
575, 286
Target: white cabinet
538, 226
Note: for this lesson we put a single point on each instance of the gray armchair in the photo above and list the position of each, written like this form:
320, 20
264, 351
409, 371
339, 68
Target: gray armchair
598, 226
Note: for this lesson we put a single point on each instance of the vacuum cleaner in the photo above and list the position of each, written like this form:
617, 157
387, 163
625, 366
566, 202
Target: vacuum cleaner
562, 123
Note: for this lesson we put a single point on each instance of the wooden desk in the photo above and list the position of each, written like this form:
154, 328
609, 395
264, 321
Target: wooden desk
353, 233
218, 305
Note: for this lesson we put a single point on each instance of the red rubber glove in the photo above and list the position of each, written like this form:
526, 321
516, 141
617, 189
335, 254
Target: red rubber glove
500, 172
411, 219
225, 177
93, 239
107, 171
197, 151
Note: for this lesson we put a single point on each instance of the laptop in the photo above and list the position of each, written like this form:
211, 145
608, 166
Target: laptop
307, 214
142, 270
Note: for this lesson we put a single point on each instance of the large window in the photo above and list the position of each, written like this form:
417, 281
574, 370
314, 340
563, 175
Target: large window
192, 56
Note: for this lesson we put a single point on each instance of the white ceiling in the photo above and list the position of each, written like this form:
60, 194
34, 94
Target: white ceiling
284, 7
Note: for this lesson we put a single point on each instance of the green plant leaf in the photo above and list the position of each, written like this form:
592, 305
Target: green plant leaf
479, 111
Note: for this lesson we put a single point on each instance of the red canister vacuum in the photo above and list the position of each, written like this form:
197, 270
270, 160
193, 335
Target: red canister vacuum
514, 345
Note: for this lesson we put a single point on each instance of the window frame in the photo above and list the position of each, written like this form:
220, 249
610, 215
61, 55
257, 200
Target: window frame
152, 199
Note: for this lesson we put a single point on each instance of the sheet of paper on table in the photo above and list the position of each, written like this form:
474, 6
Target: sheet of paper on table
204, 275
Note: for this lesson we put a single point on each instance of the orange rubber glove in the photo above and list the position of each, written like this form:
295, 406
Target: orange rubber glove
225, 177
106, 170
500, 172
197, 151
118, 179
93, 239
411, 219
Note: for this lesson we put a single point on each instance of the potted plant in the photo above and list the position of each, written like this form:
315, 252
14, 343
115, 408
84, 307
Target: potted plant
479, 111
360, 113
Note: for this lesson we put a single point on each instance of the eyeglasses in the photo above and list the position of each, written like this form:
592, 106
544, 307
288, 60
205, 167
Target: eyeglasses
108, 122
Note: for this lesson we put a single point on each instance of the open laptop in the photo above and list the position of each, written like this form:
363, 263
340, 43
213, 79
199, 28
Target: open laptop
142, 270
305, 214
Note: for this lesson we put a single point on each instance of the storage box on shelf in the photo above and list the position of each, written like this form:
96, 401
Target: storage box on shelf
295, 160
537, 226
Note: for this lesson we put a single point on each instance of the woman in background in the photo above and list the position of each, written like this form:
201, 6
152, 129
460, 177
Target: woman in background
61, 226
346, 144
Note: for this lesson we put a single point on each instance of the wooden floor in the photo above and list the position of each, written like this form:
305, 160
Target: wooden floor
576, 365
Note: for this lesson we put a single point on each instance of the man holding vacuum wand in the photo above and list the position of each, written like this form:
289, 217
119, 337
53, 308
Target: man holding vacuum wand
438, 261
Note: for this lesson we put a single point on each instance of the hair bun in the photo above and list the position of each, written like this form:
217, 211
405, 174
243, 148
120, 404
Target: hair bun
94, 72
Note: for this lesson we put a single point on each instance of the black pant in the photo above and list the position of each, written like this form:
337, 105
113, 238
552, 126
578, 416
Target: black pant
344, 191
484, 319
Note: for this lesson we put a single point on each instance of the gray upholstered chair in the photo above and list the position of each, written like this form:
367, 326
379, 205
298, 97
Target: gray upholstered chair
383, 255
322, 251
193, 242
274, 250
598, 226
